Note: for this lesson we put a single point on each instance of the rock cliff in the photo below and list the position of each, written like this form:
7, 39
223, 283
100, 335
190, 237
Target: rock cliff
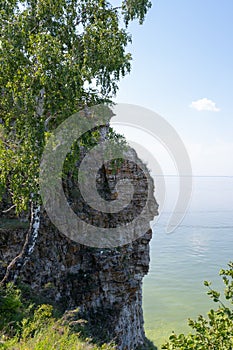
105, 284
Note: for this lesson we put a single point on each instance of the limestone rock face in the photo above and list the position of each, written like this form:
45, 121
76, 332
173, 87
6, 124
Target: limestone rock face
105, 284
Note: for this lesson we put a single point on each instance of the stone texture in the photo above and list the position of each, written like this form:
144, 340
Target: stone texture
106, 284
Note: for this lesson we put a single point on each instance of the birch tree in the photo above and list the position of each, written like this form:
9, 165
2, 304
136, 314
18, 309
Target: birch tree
56, 56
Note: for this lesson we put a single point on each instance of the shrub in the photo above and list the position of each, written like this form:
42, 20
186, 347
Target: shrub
24, 326
11, 308
215, 332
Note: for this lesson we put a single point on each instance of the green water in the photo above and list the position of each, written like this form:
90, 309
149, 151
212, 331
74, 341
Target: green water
173, 290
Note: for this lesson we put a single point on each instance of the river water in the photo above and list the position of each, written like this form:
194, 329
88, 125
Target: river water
173, 290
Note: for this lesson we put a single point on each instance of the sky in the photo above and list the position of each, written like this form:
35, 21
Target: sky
182, 69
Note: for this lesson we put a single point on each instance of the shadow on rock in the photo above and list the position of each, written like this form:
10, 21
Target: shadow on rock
149, 345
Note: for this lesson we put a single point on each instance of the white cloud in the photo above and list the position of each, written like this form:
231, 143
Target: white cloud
204, 104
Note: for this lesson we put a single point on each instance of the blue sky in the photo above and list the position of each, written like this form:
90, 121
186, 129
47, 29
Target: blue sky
182, 54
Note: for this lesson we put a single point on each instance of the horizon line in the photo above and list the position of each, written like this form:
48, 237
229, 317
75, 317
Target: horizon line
174, 175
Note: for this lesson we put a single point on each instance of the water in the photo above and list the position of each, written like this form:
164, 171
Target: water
181, 261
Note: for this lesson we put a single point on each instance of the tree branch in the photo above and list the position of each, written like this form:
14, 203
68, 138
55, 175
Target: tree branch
9, 209
40, 103
47, 121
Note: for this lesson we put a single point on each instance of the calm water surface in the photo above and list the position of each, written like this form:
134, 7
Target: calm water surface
181, 261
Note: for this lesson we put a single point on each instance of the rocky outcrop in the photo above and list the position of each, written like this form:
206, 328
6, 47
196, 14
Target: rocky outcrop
105, 284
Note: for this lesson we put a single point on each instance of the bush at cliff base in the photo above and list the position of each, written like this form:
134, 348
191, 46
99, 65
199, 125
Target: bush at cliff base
24, 326
216, 331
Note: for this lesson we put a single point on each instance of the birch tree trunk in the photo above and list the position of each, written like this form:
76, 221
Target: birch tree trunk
15, 266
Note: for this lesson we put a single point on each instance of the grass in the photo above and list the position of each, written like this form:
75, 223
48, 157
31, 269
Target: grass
27, 326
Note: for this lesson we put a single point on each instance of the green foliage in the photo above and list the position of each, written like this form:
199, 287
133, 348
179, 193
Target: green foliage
215, 332
55, 58
117, 146
41, 319
10, 308
25, 326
